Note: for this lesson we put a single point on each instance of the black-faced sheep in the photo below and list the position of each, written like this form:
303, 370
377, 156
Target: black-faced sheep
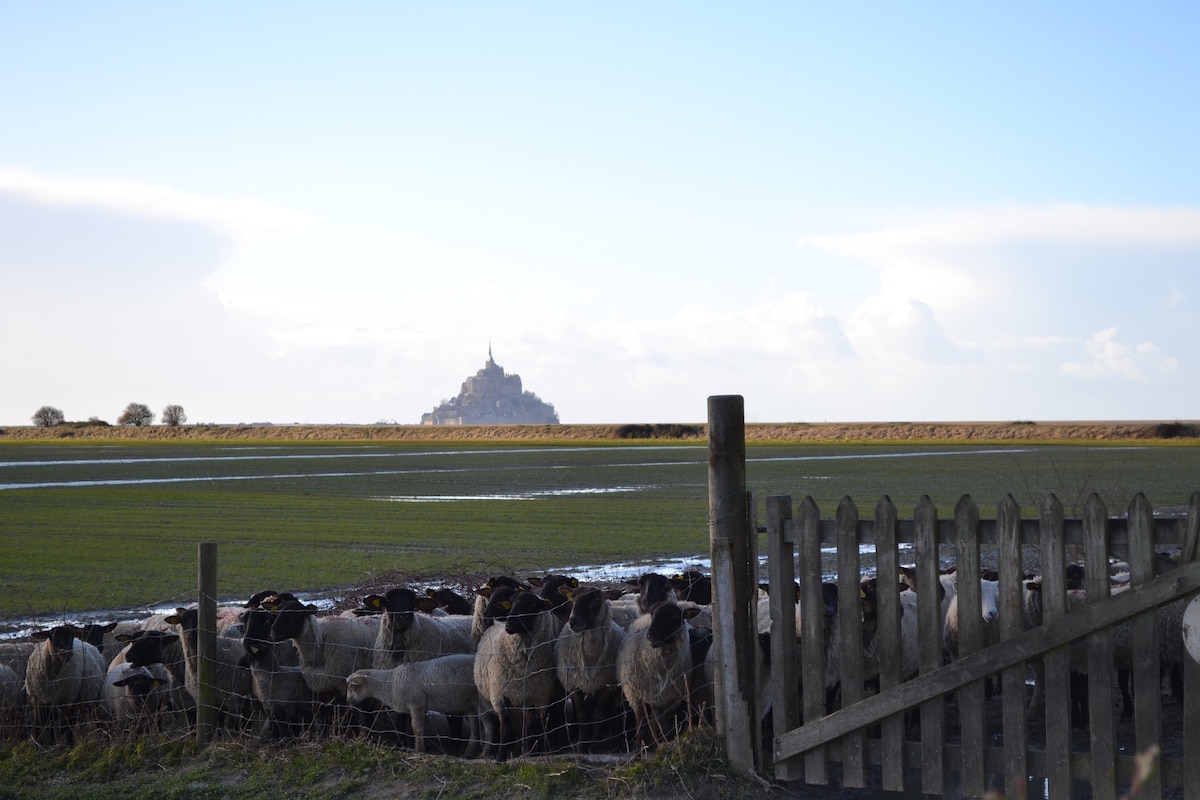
406, 634
654, 668
514, 668
330, 648
64, 678
443, 685
586, 662
480, 621
137, 695
233, 694
275, 675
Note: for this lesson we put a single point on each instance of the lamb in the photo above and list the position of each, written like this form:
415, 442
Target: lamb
585, 658
514, 667
405, 635
232, 692
989, 592
330, 648
136, 694
445, 685
276, 677
64, 677
654, 667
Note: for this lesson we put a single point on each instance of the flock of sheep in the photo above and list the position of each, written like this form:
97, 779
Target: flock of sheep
540, 664
534, 665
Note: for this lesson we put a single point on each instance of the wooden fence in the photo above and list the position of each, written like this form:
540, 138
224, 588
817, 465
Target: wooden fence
937, 721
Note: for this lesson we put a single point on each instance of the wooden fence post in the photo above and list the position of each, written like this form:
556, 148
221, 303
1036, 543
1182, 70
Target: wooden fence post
735, 584
206, 643
781, 578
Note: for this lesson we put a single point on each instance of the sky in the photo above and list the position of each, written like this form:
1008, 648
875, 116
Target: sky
328, 213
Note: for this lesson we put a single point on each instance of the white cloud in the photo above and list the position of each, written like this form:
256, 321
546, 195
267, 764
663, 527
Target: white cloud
245, 219
1105, 357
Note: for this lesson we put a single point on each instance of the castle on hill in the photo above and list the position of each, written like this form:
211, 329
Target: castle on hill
492, 397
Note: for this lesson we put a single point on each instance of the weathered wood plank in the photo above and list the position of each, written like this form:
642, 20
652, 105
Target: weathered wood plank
1099, 651
812, 634
932, 707
889, 652
1056, 664
1147, 677
781, 577
970, 697
1012, 624
854, 773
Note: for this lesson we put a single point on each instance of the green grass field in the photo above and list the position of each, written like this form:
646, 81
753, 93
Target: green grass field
115, 525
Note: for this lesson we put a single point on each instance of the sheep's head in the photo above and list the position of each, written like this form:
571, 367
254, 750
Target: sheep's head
290, 620
586, 607
523, 613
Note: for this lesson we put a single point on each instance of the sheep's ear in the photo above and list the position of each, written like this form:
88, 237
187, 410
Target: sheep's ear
1033, 586
374, 601
426, 605
174, 619
355, 680
41, 636
122, 682
690, 612
574, 583
536, 581
157, 682
484, 591
567, 592
613, 594
431, 594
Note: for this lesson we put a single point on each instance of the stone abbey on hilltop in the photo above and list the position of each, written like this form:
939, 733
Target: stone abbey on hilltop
492, 397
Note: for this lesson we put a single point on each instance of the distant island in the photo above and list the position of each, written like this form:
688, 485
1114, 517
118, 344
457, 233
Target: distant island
492, 397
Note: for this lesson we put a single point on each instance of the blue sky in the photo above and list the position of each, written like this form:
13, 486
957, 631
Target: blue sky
849, 212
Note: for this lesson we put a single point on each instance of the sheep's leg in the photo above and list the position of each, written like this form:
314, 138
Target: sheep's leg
503, 731
417, 716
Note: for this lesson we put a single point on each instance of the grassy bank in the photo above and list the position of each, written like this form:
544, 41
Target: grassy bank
896, 432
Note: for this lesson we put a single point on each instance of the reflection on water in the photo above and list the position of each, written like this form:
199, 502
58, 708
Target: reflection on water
529, 495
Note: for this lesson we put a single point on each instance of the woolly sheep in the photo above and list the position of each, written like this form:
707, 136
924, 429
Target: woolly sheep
514, 667
654, 668
585, 658
406, 635
445, 685
232, 692
64, 676
330, 648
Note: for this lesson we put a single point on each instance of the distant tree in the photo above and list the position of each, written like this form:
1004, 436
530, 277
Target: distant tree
136, 414
173, 415
47, 417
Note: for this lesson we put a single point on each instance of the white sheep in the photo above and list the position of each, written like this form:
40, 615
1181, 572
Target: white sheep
330, 648
654, 668
233, 694
585, 658
64, 677
514, 667
444, 685
406, 634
